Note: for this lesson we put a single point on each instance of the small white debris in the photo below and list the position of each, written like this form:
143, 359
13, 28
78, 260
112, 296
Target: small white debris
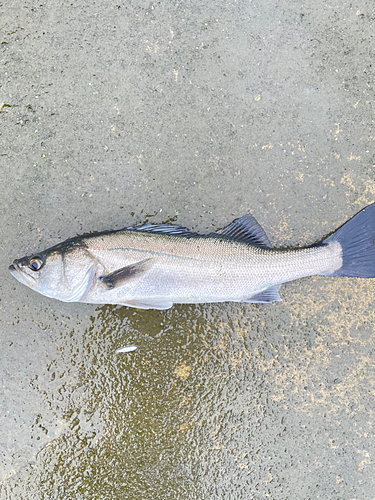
127, 348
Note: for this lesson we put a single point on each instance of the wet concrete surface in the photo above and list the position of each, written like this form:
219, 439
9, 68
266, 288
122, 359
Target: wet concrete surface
116, 113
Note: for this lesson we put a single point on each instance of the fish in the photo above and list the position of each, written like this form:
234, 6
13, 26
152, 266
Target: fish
153, 266
127, 348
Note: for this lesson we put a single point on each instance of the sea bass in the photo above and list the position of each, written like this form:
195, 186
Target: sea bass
156, 266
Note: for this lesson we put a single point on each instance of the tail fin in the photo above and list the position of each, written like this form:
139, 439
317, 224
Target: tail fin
356, 238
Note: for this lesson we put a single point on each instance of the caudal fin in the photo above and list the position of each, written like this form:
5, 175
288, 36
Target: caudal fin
357, 239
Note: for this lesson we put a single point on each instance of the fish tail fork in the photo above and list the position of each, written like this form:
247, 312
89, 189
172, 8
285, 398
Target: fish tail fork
357, 238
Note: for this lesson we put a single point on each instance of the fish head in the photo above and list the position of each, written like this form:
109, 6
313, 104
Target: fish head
64, 272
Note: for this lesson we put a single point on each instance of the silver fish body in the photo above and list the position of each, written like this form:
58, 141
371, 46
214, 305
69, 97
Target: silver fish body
157, 266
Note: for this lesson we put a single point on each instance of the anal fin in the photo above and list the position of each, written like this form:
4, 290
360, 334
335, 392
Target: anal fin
271, 294
123, 275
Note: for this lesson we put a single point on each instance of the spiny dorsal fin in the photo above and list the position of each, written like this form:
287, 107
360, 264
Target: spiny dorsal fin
246, 229
162, 228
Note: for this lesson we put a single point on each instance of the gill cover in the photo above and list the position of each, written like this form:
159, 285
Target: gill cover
64, 272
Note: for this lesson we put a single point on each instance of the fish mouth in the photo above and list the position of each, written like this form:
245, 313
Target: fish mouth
14, 270
20, 275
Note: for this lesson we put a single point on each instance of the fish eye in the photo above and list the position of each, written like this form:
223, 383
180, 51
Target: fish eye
35, 263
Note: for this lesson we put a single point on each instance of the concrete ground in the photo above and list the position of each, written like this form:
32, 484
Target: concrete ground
120, 112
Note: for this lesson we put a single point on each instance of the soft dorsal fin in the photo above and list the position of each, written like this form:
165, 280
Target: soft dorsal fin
162, 228
246, 229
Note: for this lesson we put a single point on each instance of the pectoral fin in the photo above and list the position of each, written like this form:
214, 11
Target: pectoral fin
123, 275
